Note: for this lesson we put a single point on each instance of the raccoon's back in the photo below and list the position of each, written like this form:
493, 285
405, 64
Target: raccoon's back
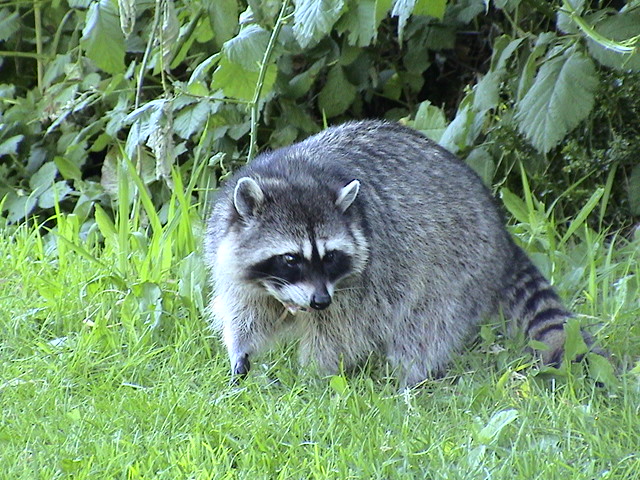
420, 189
435, 227
439, 231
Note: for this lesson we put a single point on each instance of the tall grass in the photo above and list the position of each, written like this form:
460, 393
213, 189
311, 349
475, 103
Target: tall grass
108, 369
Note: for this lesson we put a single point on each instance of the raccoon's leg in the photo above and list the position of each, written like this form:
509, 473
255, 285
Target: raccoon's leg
413, 369
239, 347
245, 331
422, 343
321, 352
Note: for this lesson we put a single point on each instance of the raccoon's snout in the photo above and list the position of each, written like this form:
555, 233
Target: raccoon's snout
320, 300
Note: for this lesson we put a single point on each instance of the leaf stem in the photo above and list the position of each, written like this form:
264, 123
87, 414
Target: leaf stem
58, 35
255, 103
627, 46
35, 56
37, 17
147, 53
143, 67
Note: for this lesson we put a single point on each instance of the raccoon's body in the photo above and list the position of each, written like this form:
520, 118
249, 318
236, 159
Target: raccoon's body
368, 238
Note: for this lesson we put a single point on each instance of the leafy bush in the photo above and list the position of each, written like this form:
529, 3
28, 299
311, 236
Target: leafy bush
201, 86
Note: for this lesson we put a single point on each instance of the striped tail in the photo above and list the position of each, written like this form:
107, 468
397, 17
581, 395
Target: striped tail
530, 302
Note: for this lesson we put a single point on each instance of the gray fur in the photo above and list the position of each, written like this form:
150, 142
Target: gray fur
430, 257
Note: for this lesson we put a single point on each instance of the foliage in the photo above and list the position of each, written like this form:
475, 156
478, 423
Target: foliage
200, 85
117, 117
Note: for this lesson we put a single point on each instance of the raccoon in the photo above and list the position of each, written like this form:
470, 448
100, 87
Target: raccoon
368, 238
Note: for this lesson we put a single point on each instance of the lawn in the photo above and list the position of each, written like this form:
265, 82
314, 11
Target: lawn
108, 370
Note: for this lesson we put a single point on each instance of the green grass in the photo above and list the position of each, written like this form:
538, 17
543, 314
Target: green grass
108, 370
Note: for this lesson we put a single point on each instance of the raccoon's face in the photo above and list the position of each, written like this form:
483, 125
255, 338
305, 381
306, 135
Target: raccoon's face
297, 246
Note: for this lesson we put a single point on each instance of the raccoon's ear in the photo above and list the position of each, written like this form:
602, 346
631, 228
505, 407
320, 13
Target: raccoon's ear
347, 194
247, 197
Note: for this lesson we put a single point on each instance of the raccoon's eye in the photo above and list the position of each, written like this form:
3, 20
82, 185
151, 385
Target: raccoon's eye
333, 257
336, 264
291, 260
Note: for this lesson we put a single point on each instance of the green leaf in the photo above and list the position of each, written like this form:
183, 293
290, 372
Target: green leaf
7, 92
238, 83
223, 15
601, 369
633, 190
487, 334
149, 297
112, 179
9, 23
337, 94
538, 345
466, 10
508, 5
10, 145
529, 70
392, 86
339, 384
487, 90
425, 34
561, 96
203, 68
145, 120
102, 37
56, 193
105, 224
619, 27
564, 22
301, 83
362, 21
495, 425
515, 205
248, 47
313, 19
430, 120
476, 456
403, 9
539, 259
19, 206
43, 178
482, 163
67, 168
463, 129
431, 8
71, 465
503, 49
191, 119
263, 12
574, 344
583, 214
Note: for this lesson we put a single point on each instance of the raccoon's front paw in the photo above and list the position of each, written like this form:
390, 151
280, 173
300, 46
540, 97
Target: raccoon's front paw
240, 368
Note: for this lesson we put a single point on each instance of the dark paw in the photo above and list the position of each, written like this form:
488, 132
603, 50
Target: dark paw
240, 369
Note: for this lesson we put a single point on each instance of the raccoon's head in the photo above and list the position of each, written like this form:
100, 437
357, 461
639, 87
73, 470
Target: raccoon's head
296, 242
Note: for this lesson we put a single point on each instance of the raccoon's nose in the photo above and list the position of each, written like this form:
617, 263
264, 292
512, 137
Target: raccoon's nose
320, 301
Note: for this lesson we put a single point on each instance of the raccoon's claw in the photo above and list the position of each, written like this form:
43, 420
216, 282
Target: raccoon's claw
240, 369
